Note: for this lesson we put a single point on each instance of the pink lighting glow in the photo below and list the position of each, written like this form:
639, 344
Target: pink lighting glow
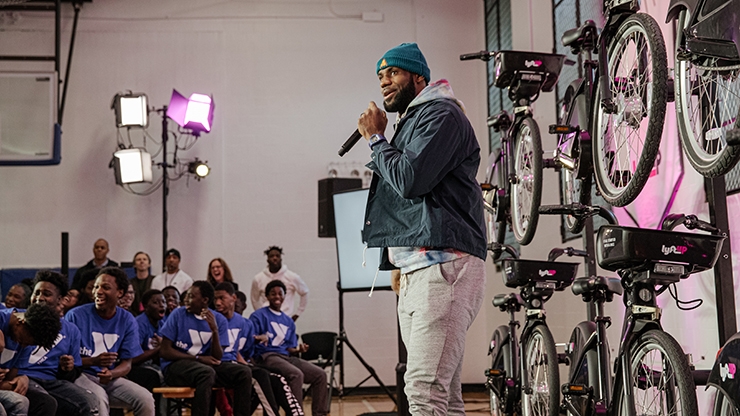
195, 113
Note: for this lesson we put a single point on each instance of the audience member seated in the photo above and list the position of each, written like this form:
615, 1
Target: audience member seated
85, 292
145, 370
241, 302
18, 296
142, 281
283, 341
193, 338
276, 270
219, 271
127, 301
172, 276
100, 259
171, 299
70, 300
109, 342
39, 325
241, 333
52, 370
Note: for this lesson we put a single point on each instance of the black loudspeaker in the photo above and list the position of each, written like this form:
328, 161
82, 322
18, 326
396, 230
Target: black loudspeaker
327, 188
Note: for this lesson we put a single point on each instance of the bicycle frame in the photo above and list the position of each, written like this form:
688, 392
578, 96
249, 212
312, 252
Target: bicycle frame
711, 27
640, 316
534, 317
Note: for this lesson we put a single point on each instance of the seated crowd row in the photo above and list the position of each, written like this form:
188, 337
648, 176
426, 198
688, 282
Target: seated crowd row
99, 356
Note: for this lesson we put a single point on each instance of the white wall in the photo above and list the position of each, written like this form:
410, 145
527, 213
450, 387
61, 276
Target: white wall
289, 79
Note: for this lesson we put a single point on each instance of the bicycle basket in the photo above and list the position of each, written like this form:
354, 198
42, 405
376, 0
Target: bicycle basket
637, 248
512, 67
558, 275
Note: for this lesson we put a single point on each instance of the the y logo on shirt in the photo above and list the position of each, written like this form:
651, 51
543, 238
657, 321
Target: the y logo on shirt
280, 332
198, 339
103, 342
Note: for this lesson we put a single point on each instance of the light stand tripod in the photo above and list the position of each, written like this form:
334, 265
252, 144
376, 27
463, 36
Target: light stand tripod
338, 356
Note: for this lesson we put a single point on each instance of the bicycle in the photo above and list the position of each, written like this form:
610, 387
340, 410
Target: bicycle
606, 114
651, 373
513, 188
723, 378
528, 386
707, 83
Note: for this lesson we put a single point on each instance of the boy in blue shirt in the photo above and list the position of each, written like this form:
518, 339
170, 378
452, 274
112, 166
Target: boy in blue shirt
52, 370
39, 325
283, 341
109, 340
145, 370
193, 342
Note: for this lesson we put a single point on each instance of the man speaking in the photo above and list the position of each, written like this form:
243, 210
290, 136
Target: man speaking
425, 210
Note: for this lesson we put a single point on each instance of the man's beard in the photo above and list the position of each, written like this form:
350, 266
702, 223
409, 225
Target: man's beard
403, 98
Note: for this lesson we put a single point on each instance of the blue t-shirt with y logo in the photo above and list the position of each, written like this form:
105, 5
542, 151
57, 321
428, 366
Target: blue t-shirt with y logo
38, 362
191, 334
9, 355
280, 330
120, 334
241, 338
147, 331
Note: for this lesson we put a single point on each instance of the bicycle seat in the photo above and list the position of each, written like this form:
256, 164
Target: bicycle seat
504, 299
585, 285
544, 274
579, 37
658, 251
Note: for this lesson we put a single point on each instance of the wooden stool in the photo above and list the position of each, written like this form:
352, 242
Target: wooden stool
178, 397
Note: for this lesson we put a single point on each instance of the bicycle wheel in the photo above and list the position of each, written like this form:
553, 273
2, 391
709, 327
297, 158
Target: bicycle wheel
626, 141
526, 191
707, 107
541, 395
723, 405
500, 362
661, 383
573, 189
492, 198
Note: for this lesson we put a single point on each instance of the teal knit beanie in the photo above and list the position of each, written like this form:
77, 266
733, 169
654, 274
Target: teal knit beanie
405, 56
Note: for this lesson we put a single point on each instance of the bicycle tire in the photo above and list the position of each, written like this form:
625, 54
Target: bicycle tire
622, 159
526, 191
495, 220
540, 362
723, 405
718, 94
500, 361
661, 377
573, 189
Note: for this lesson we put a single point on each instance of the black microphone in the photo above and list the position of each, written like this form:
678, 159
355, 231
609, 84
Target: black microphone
350, 143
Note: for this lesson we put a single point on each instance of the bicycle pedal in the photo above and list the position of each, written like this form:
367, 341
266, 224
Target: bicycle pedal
494, 372
549, 163
576, 390
563, 358
561, 129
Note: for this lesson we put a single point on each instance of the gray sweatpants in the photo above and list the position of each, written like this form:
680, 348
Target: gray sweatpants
436, 307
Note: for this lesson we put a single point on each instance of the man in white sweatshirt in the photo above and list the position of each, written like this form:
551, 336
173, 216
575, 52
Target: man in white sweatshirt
275, 270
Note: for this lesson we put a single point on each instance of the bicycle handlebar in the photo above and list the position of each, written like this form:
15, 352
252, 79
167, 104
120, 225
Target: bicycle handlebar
690, 221
569, 251
498, 248
482, 55
579, 210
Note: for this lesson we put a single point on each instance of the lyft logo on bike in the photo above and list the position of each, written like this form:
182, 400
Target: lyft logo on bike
727, 371
674, 250
530, 64
544, 273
